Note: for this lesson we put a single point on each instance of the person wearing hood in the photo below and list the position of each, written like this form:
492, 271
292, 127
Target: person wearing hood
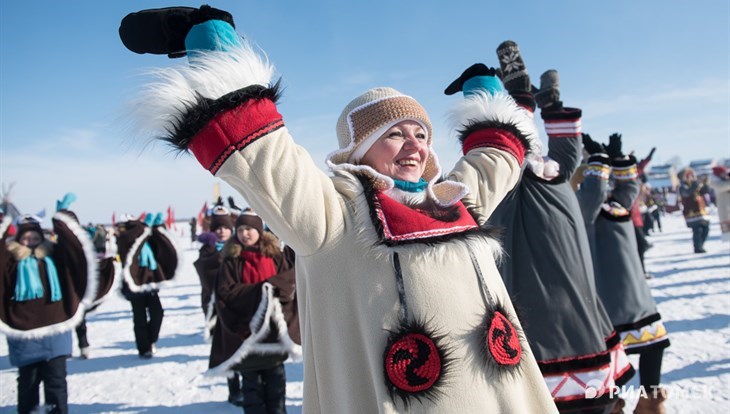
257, 325
149, 259
46, 288
547, 267
606, 194
400, 301
207, 265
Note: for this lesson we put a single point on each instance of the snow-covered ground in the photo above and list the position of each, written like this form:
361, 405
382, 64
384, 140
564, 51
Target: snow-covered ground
691, 290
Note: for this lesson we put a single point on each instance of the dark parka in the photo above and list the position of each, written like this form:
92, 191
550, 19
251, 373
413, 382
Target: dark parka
258, 324
619, 276
548, 272
75, 263
130, 239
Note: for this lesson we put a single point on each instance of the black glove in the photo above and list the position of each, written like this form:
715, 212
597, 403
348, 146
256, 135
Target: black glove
477, 69
232, 204
162, 31
219, 202
651, 154
613, 149
592, 146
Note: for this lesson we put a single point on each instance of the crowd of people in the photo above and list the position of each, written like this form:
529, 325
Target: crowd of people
513, 283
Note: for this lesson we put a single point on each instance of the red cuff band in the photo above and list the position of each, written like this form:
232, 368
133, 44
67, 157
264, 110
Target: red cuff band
496, 138
234, 130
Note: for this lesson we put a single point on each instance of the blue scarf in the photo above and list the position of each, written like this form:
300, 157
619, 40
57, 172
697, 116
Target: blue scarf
28, 284
219, 245
147, 257
411, 187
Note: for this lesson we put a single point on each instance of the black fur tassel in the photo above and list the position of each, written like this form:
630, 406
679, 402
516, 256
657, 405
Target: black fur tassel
434, 391
492, 364
196, 116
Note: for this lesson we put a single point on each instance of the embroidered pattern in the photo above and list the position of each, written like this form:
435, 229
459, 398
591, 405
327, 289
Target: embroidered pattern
644, 336
625, 173
412, 362
401, 222
601, 171
502, 340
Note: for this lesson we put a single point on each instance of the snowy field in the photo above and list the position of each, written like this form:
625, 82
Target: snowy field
692, 292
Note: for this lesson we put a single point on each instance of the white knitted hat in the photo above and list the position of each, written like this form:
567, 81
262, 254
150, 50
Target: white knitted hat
369, 115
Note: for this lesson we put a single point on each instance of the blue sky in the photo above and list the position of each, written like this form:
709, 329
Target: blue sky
656, 71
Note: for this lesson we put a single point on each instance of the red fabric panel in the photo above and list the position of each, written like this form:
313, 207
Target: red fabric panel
233, 130
496, 138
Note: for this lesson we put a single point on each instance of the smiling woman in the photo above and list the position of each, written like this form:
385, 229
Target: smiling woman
401, 152
400, 300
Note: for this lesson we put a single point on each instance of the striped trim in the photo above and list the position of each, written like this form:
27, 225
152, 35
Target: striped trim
590, 385
625, 173
601, 171
563, 129
497, 138
644, 336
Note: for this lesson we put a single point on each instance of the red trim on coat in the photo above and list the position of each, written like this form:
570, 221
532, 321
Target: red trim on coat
234, 130
497, 138
401, 222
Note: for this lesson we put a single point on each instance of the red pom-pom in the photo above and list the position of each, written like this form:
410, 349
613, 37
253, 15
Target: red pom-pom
502, 340
413, 363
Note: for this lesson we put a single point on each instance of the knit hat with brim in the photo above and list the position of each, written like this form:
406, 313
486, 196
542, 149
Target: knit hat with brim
251, 219
27, 223
221, 217
368, 116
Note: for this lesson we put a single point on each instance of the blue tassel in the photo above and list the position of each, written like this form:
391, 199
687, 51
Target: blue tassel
52, 274
28, 285
147, 257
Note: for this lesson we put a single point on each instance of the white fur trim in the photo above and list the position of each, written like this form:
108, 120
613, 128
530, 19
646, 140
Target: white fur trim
178, 251
543, 167
159, 105
126, 272
369, 239
269, 308
210, 319
89, 295
500, 107
385, 183
148, 287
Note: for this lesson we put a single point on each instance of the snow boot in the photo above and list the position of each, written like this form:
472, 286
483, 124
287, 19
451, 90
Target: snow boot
653, 403
618, 407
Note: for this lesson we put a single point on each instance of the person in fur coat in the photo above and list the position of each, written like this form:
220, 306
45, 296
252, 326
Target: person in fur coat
46, 288
548, 268
619, 276
207, 265
258, 325
694, 208
149, 258
401, 304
